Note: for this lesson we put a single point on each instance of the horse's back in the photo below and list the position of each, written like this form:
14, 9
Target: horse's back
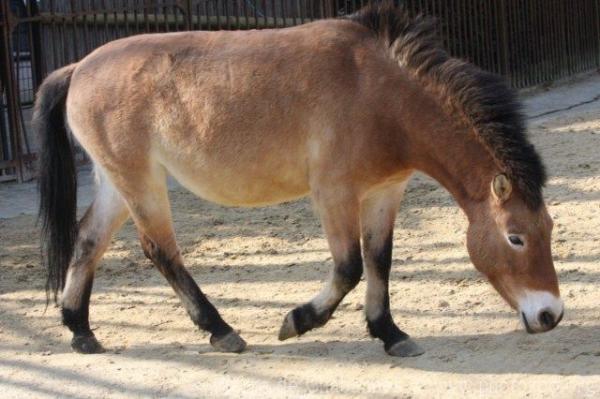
217, 108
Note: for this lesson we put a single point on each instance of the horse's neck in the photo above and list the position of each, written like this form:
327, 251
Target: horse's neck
450, 154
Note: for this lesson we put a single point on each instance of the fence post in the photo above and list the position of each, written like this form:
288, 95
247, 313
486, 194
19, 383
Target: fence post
9, 21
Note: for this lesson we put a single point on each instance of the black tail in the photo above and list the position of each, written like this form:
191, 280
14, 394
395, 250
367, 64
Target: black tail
57, 178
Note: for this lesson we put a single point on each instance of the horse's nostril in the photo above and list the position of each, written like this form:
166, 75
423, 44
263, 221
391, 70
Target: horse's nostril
546, 319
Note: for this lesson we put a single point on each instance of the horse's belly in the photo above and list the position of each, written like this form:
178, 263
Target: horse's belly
239, 184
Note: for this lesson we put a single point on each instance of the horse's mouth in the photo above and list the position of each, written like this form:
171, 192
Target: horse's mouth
526, 323
532, 331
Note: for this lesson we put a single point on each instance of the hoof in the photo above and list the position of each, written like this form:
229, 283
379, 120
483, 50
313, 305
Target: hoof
86, 344
230, 342
287, 330
405, 348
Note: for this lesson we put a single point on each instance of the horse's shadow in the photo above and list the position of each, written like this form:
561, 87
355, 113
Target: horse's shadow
569, 350
566, 351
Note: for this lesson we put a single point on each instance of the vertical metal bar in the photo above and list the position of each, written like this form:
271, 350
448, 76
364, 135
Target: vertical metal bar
472, 33
570, 40
18, 79
491, 37
585, 34
144, 11
218, 13
515, 41
451, 21
531, 46
53, 34
226, 3
105, 20
35, 45
136, 20
247, 26
284, 13
165, 17
563, 41
502, 22
74, 30
115, 21
557, 28
95, 25
446, 8
597, 4
155, 11
525, 57
255, 14
274, 10
480, 14
206, 13
180, 17
550, 43
545, 21
86, 44
265, 13
573, 25
10, 89
590, 35
65, 54
457, 21
439, 14
537, 24
578, 36
582, 31
181, 23
480, 32
519, 45
126, 16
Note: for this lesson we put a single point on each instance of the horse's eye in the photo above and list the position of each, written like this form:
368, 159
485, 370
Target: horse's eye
515, 240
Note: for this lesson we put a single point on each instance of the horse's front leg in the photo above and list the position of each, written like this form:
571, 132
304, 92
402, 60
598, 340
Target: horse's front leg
340, 219
378, 213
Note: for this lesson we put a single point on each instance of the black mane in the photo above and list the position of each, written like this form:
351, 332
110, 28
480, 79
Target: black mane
484, 100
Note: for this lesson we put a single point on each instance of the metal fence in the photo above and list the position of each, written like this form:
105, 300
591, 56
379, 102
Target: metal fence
531, 42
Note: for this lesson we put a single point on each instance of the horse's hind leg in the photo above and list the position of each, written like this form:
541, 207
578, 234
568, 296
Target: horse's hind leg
340, 218
149, 205
378, 213
106, 215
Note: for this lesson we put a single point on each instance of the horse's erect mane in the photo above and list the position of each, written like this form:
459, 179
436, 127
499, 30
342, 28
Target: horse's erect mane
484, 100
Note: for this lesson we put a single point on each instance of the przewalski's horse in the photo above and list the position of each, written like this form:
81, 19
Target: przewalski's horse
343, 110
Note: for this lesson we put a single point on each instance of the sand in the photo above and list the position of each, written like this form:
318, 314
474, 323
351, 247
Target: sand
258, 264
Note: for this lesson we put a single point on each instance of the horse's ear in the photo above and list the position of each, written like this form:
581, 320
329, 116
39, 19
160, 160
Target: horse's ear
501, 187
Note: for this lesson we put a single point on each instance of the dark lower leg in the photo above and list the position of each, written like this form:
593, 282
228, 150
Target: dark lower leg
379, 319
201, 311
75, 316
384, 328
317, 312
78, 290
380, 323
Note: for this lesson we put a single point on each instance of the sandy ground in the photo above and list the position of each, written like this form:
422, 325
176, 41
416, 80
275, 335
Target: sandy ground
258, 264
